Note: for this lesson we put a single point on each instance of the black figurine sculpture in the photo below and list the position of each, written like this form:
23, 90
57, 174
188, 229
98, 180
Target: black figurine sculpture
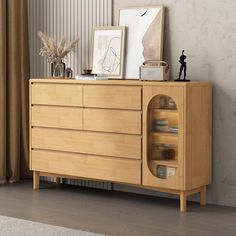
183, 67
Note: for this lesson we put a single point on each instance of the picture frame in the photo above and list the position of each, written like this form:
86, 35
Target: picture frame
108, 45
144, 36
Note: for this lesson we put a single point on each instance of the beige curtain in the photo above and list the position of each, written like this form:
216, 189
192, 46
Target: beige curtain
14, 75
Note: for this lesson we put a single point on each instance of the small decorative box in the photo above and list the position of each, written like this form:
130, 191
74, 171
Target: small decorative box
164, 172
154, 70
161, 172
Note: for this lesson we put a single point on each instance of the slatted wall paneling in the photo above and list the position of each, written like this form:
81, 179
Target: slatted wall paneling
72, 19
69, 18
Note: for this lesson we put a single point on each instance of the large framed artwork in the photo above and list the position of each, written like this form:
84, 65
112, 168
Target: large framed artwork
108, 51
145, 30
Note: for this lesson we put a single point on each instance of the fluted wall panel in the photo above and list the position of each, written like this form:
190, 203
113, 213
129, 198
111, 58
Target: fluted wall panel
72, 19
69, 18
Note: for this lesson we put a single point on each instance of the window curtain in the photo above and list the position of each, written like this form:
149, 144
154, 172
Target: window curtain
14, 76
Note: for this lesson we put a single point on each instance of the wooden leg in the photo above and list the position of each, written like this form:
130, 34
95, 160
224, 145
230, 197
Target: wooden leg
203, 196
58, 180
183, 201
36, 180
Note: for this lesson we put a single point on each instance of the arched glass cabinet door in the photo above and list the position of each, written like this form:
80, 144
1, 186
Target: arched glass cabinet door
163, 153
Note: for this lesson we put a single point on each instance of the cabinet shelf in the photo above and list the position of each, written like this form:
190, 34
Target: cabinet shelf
163, 129
164, 134
164, 110
170, 163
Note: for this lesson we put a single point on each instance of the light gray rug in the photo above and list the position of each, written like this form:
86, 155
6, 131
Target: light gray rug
16, 227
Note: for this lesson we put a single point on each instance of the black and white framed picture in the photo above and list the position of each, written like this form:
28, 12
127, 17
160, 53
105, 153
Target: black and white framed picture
108, 51
145, 29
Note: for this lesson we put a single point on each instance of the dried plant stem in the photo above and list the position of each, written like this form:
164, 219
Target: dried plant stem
53, 51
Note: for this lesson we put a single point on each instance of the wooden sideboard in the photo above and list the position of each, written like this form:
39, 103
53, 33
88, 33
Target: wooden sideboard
154, 135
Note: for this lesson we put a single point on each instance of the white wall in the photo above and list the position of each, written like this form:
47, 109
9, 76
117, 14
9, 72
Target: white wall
206, 29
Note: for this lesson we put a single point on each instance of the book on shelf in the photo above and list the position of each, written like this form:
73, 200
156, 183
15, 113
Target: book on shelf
91, 77
160, 122
160, 125
101, 77
84, 77
173, 129
164, 172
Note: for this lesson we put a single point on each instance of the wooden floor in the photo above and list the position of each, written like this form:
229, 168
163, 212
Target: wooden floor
113, 213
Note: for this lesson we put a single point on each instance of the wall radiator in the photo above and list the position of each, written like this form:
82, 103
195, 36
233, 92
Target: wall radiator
72, 19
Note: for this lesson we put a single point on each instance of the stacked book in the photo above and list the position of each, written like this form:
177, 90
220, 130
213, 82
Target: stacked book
91, 77
173, 129
160, 125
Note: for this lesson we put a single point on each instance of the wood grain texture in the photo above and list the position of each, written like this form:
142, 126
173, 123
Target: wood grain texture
203, 197
93, 131
118, 121
115, 97
57, 117
103, 168
183, 201
58, 180
57, 94
36, 180
149, 179
117, 145
30, 124
198, 136
124, 82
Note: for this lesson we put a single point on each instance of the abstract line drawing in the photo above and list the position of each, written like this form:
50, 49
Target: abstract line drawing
108, 55
111, 61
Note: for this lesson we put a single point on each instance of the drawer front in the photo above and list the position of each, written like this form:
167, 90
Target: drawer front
79, 165
57, 117
57, 94
117, 121
117, 145
105, 96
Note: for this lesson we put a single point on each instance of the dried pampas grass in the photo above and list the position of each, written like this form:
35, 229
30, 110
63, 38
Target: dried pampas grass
55, 52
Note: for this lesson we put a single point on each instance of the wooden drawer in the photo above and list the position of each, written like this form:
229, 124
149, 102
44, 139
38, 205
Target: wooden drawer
105, 96
57, 117
56, 94
117, 121
117, 145
95, 167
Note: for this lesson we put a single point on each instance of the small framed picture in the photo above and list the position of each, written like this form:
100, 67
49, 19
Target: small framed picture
108, 51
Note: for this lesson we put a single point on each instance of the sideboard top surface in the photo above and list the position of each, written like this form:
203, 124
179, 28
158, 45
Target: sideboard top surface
120, 82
